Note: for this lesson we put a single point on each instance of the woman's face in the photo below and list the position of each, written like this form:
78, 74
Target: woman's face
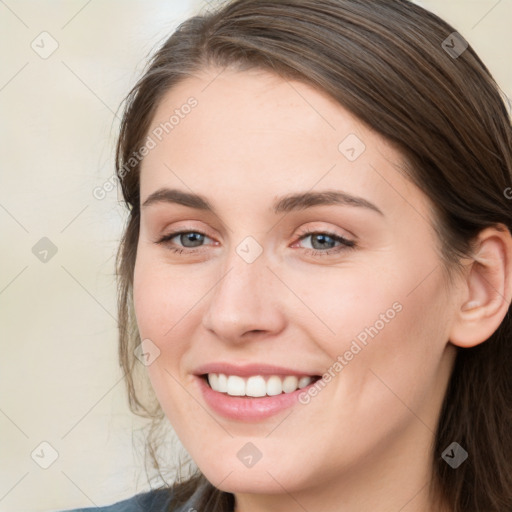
252, 296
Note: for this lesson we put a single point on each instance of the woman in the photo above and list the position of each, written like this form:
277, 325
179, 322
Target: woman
318, 260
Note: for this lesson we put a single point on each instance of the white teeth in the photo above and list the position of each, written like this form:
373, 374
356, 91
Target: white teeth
304, 381
274, 386
290, 383
256, 386
236, 385
213, 379
222, 383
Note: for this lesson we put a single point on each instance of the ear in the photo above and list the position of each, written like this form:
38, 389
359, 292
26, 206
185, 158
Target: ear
487, 288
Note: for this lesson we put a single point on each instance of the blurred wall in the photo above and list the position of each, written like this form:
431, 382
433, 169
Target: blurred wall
66, 432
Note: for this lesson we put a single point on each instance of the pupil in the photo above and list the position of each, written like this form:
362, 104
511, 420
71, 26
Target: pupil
322, 238
191, 236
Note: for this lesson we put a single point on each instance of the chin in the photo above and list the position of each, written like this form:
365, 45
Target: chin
249, 480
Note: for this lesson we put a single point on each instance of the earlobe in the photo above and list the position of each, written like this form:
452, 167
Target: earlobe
488, 289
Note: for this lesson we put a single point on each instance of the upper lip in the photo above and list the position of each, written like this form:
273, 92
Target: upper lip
247, 370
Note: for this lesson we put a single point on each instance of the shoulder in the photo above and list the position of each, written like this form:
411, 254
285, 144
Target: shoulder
157, 500
185, 497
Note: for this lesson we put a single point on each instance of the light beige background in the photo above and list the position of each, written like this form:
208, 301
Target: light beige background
60, 382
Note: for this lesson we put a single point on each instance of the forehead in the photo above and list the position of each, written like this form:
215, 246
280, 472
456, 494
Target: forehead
249, 110
260, 135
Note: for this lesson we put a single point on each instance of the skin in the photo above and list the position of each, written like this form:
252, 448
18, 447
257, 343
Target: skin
363, 443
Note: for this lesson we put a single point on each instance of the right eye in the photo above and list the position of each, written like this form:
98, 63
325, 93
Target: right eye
184, 237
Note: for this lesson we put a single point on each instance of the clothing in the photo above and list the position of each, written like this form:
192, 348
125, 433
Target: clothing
157, 500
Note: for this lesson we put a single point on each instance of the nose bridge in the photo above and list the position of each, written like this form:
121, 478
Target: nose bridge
243, 299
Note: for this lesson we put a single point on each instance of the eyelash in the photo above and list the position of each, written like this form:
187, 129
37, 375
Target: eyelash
345, 243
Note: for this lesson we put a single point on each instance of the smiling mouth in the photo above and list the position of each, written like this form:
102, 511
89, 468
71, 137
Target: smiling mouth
257, 386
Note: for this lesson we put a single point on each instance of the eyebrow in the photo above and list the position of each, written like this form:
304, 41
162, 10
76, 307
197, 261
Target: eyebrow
287, 203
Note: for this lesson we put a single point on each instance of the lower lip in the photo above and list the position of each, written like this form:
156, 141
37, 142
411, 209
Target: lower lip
248, 408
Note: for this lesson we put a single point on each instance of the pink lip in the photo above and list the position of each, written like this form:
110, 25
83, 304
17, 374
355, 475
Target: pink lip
250, 369
247, 409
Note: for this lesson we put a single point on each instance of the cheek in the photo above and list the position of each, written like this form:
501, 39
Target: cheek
387, 321
162, 300
400, 339
347, 306
389, 344
158, 312
159, 304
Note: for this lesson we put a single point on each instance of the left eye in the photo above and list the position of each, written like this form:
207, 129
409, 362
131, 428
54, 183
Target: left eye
319, 238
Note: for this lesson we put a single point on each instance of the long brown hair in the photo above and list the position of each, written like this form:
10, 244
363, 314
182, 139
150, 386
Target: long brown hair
388, 64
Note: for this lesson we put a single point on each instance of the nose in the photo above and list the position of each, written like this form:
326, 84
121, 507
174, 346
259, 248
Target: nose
246, 302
